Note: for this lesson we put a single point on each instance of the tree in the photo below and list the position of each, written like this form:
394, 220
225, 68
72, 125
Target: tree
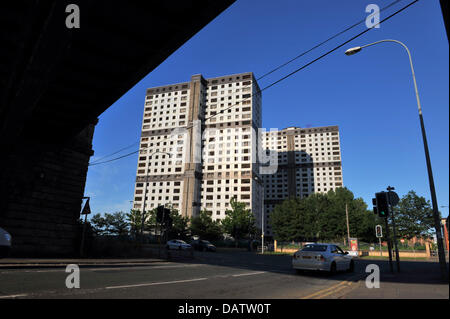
116, 224
287, 220
98, 224
204, 227
239, 221
414, 216
134, 218
318, 218
361, 220
180, 225
322, 216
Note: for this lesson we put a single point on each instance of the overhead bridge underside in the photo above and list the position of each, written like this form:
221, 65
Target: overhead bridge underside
55, 82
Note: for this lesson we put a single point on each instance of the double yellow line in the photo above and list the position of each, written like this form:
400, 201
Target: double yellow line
332, 290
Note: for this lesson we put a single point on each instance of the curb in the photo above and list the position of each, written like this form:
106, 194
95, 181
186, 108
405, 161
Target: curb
80, 264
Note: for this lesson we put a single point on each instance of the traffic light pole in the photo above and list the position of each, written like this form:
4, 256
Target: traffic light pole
381, 251
160, 232
397, 256
389, 245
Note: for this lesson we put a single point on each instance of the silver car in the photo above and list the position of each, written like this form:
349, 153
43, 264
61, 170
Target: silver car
178, 244
322, 257
5, 243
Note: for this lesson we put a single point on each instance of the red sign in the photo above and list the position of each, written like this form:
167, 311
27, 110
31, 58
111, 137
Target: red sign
354, 244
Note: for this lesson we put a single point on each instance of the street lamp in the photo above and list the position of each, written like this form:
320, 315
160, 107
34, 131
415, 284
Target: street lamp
437, 226
145, 195
262, 213
352, 51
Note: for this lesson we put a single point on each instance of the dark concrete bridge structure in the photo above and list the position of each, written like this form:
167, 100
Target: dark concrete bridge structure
54, 83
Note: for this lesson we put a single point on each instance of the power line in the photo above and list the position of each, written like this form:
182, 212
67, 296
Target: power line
114, 159
327, 40
281, 79
339, 46
122, 149
280, 66
277, 68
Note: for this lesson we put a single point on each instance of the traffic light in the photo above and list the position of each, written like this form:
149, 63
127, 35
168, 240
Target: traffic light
374, 203
163, 216
167, 219
159, 214
378, 231
168, 222
382, 204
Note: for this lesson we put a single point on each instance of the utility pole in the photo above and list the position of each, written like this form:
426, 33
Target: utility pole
262, 232
160, 230
86, 210
143, 211
348, 227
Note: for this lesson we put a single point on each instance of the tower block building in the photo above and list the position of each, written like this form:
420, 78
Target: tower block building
196, 148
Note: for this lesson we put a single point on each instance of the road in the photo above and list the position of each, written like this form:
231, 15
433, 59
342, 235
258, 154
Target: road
234, 275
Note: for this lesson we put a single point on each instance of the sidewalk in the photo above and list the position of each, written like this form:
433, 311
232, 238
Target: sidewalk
20, 263
417, 280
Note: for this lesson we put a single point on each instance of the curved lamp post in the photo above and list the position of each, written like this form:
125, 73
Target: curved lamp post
145, 195
437, 226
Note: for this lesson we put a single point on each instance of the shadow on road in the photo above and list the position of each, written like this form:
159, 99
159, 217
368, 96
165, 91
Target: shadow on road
425, 272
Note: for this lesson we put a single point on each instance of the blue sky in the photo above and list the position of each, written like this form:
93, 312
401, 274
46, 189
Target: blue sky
369, 95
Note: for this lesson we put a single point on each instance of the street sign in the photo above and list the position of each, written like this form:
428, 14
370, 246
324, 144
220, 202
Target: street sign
393, 198
86, 209
353, 247
379, 231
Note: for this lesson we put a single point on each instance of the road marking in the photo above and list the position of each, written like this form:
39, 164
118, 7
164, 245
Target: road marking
156, 283
348, 284
328, 291
181, 281
145, 267
249, 274
323, 291
13, 296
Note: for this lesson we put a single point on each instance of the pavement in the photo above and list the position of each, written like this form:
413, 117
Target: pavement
222, 275
416, 280
22, 263
227, 275
30, 263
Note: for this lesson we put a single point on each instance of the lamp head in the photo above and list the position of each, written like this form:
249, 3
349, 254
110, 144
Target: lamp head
352, 51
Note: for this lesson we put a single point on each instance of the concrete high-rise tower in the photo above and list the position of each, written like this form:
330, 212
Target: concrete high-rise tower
198, 146
309, 161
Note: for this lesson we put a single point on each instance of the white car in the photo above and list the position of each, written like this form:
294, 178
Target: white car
178, 244
323, 257
5, 243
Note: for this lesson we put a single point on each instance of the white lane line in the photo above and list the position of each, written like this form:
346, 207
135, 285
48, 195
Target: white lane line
13, 296
118, 268
156, 283
144, 267
250, 274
